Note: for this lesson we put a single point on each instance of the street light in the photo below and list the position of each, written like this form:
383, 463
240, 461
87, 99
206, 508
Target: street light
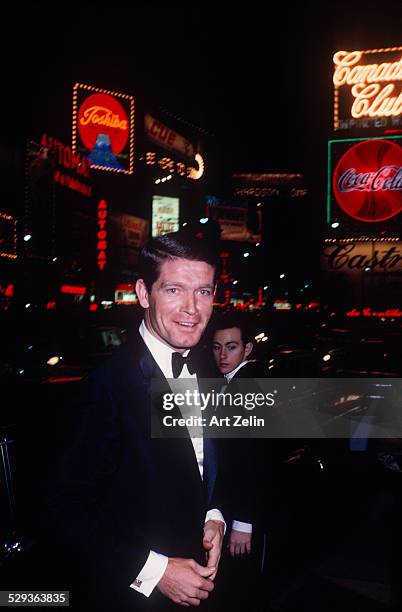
335, 224
27, 237
246, 254
204, 220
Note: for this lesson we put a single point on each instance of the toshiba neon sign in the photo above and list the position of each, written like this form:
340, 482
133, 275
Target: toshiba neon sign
367, 180
103, 128
368, 88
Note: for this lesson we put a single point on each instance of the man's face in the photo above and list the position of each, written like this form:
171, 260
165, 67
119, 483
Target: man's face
180, 303
229, 349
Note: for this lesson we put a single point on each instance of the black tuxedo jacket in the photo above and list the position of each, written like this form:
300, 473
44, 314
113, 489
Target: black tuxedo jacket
119, 493
243, 461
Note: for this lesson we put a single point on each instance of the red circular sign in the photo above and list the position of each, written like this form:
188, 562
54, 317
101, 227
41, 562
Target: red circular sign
367, 181
103, 114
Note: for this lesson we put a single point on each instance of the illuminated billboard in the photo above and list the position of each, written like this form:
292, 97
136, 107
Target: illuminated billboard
368, 89
103, 128
165, 215
365, 183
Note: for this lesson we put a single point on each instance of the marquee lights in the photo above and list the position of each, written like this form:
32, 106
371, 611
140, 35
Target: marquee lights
167, 163
373, 239
375, 87
13, 221
109, 119
194, 173
102, 234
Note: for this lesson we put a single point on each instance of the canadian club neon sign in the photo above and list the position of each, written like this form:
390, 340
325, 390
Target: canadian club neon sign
367, 181
102, 234
367, 88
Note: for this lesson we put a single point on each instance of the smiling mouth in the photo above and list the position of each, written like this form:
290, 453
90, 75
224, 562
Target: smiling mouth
189, 325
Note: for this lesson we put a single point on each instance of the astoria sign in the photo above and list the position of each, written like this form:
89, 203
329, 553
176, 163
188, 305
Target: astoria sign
367, 180
368, 88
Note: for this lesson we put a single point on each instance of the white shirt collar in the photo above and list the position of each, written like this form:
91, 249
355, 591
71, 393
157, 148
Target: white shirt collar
162, 353
230, 375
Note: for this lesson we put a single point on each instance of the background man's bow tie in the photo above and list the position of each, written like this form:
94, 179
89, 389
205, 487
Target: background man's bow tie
178, 362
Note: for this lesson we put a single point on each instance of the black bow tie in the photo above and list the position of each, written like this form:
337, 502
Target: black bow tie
178, 362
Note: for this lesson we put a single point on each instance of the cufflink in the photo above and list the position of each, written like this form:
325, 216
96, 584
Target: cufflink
137, 582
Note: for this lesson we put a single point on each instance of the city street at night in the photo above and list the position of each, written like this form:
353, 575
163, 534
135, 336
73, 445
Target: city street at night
223, 192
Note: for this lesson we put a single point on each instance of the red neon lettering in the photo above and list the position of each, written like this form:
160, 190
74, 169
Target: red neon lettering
102, 244
102, 235
101, 256
102, 214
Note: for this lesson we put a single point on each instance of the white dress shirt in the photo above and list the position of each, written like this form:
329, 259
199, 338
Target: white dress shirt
239, 525
156, 563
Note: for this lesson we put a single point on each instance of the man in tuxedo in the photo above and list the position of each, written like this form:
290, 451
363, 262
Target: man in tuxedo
139, 514
242, 465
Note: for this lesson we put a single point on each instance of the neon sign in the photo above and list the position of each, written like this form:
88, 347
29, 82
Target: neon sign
369, 312
367, 180
370, 92
167, 163
102, 234
103, 127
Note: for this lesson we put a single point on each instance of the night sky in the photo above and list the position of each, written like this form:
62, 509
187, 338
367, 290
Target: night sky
260, 81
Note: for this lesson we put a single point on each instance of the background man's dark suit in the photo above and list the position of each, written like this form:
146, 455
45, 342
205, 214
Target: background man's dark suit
121, 493
243, 471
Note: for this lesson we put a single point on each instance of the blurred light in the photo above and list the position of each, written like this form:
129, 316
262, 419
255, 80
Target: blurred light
27, 305
265, 287
157, 181
259, 336
21, 371
54, 259
259, 204
367, 269
184, 224
204, 220
257, 244
235, 282
50, 305
91, 298
326, 357
335, 224
264, 338
281, 276
163, 180
306, 285
194, 173
53, 360
169, 176
93, 307
27, 237
246, 254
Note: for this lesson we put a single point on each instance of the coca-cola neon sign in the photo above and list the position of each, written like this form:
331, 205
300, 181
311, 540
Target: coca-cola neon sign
367, 180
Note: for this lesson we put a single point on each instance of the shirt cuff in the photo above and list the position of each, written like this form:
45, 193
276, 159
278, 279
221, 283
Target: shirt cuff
150, 574
215, 515
244, 527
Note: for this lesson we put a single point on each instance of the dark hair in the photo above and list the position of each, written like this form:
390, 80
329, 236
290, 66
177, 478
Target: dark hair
172, 246
234, 319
